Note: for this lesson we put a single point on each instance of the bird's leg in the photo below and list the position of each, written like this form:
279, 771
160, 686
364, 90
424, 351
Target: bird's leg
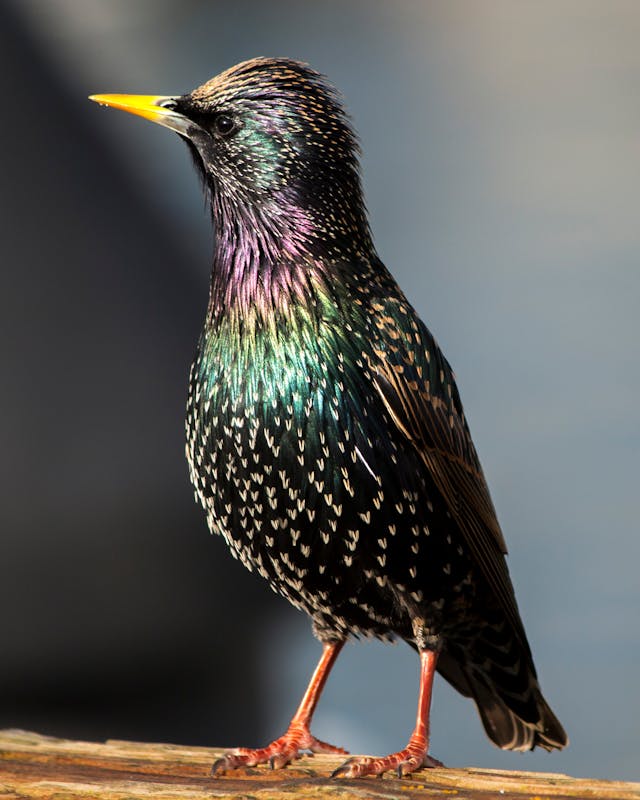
414, 754
298, 736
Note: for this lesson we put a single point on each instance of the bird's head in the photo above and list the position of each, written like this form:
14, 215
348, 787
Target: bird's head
275, 148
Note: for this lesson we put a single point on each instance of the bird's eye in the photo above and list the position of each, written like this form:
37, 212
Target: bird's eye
224, 124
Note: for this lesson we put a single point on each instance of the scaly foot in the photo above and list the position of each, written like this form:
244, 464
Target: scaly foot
404, 762
278, 754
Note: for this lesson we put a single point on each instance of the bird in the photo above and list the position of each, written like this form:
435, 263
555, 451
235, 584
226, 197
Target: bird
325, 435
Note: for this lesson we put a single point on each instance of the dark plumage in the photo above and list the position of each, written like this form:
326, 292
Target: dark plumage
325, 435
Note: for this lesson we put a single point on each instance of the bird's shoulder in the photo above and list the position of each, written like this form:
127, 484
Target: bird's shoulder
411, 373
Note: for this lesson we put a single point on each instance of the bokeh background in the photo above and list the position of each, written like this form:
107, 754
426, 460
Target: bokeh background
502, 168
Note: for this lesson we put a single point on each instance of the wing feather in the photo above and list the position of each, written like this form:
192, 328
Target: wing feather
417, 387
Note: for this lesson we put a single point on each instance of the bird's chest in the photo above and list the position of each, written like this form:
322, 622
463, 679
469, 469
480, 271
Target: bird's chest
297, 466
287, 451
272, 443
247, 448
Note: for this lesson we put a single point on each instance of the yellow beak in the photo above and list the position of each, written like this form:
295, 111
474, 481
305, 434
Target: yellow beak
156, 108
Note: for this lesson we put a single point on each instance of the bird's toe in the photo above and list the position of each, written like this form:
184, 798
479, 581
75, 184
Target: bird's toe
403, 763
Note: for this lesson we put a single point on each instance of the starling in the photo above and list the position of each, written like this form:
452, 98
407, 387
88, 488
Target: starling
326, 439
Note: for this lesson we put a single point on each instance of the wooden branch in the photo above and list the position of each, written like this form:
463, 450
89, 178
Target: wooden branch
40, 767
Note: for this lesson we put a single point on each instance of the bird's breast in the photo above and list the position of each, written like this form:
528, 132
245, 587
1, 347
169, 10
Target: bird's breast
298, 467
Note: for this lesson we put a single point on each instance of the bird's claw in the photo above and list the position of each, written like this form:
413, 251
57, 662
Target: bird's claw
221, 765
243, 757
345, 770
278, 754
403, 763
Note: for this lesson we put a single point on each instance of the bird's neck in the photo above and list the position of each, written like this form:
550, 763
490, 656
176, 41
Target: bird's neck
272, 257
281, 303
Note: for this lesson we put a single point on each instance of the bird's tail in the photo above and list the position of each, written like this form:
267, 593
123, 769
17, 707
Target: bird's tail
496, 670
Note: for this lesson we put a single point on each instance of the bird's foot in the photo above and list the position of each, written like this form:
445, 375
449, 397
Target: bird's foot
413, 757
278, 754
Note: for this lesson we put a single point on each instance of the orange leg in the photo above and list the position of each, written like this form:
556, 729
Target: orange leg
414, 754
298, 736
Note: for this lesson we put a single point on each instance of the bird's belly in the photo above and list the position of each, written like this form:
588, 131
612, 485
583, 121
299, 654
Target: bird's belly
341, 521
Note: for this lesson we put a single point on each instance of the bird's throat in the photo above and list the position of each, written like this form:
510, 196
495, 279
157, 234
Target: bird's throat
263, 259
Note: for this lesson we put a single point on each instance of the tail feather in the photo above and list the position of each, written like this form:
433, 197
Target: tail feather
502, 681
509, 730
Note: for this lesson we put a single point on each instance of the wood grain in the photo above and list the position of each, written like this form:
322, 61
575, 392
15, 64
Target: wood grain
40, 767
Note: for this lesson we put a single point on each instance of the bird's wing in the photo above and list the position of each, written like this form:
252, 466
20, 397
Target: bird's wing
417, 387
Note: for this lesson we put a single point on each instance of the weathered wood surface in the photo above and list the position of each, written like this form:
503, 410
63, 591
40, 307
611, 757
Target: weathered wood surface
34, 766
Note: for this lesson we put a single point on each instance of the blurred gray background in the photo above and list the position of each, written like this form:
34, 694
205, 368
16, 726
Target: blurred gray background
502, 168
